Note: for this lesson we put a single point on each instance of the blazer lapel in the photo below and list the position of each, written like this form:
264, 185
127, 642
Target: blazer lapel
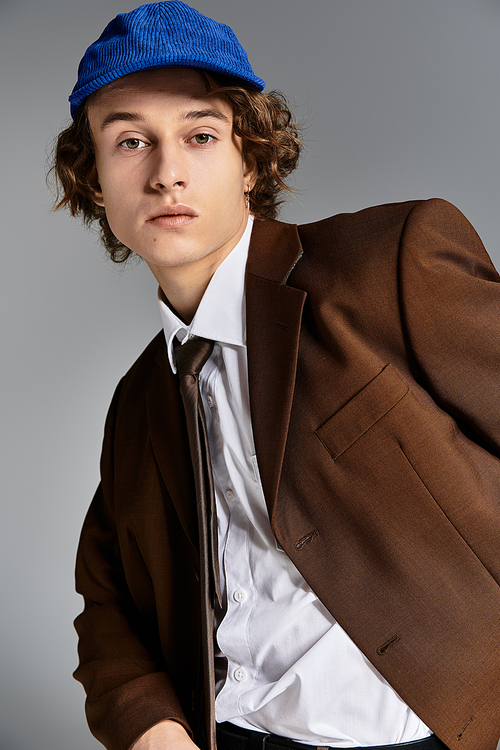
169, 439
274, 314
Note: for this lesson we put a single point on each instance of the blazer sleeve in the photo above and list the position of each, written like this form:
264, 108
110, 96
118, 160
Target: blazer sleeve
127, 691
450, 297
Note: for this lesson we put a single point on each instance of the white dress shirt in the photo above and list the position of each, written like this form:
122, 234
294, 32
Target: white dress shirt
291, 669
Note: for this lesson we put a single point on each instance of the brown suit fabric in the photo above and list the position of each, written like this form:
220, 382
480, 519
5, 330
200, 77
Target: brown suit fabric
374, 352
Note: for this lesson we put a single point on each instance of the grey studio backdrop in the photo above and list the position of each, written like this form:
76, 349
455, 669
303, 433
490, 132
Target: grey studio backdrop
402, 101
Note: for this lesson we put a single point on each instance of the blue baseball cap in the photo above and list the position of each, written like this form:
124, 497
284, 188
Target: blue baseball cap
160, 35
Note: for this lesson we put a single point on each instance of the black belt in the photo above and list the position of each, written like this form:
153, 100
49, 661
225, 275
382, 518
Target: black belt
231, 737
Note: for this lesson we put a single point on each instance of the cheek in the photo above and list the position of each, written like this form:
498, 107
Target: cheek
116, 202
117, 196
229, 181
110, 180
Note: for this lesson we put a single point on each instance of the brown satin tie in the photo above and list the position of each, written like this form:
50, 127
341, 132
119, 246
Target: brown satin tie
191, 357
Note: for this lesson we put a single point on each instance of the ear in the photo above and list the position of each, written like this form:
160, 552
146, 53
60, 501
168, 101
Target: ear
249, 172
95, 188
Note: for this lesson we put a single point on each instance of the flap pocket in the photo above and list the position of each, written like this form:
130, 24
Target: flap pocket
362, 411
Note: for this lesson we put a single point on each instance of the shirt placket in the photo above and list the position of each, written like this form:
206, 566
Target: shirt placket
234, 536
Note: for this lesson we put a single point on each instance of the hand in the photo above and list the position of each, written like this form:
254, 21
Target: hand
167, 735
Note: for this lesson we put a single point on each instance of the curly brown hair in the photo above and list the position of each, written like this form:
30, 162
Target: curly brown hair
264, 122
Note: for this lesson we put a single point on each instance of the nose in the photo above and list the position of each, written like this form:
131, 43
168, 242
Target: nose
168, 168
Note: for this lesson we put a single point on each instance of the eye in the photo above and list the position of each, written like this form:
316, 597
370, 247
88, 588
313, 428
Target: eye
201, 139
133, 144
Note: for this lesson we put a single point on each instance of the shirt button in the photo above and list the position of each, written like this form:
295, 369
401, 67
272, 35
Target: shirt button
239, 674
230, 496
210, 401
239, 596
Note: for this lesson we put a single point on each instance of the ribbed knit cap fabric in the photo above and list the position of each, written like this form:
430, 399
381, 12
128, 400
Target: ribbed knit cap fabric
160, 35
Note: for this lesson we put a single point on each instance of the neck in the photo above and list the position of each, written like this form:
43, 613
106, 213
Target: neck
183, 301
185, 285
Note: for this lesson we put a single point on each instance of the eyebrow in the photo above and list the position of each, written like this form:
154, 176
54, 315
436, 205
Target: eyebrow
199, 114
195, 114
121, 116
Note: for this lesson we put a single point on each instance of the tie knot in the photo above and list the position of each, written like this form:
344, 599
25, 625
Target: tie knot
192, 355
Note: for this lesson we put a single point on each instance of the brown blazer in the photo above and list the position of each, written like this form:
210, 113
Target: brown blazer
374, 353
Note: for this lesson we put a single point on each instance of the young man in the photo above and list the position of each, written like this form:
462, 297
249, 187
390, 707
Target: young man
347, 592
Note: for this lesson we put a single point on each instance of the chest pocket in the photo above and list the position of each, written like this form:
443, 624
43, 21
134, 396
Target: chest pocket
364, 410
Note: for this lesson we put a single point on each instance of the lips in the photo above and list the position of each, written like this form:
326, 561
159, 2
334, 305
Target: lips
172, 217
169, 211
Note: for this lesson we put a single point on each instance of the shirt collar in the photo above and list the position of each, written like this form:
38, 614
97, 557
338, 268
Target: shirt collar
221, 313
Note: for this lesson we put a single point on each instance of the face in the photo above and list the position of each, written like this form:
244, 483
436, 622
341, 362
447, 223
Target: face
171, 174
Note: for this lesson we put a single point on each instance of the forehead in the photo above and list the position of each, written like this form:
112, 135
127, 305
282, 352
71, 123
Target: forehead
174, 83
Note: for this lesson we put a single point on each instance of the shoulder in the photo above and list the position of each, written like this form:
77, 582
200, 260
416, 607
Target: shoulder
386, 221
370, 249
142, 367
380, 234
128, 408
134, 385
376, 232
